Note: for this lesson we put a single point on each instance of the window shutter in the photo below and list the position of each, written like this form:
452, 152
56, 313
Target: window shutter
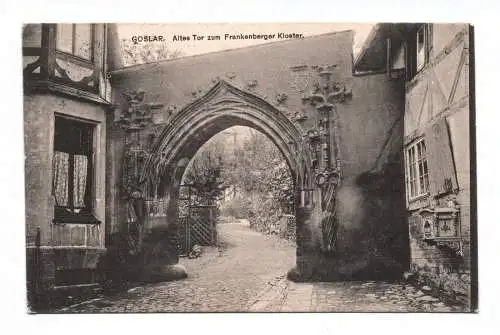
440, 160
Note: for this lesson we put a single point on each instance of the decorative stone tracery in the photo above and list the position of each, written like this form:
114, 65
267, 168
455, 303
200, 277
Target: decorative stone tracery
323, 140
311, 150
133, 118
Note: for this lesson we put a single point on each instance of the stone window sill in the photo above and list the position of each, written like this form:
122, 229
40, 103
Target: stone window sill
64, 217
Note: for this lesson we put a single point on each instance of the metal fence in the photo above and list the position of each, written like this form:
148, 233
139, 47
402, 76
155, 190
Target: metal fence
197, 223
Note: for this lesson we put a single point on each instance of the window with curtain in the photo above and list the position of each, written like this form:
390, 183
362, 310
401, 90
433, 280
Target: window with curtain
72, 170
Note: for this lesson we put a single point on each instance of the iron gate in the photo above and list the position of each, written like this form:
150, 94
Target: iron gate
197, 222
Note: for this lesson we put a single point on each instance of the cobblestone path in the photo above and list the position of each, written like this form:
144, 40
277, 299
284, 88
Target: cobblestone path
249, 275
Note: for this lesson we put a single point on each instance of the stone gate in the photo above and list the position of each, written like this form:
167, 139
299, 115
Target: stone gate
341, 135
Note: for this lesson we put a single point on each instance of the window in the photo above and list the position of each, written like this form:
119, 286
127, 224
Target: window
75, 39
421, 47
417, 173
396, 59
72, 171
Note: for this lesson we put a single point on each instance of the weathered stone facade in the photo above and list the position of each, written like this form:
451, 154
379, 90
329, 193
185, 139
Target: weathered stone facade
304, 96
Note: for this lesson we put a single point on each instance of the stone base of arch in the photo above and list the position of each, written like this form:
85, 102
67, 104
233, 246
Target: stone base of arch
358, 253
160, 273
159, 260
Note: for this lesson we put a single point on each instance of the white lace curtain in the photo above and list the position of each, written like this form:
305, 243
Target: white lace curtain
61, 179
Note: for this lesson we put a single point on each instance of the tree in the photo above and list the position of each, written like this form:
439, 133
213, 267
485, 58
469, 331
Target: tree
260, 171
140, 53
255, 168
204, 174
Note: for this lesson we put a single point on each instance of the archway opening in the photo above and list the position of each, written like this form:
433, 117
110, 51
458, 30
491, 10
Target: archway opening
237, 200
223, 107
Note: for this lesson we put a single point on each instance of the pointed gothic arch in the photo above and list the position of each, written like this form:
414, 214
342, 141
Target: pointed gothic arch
224, 106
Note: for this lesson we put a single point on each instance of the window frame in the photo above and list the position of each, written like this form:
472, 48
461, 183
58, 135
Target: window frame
393, 46
86, 213
47, 75
418, 158
72, 55
424, 31
411, 45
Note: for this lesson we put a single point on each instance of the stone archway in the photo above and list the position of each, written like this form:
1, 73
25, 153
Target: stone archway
224, 106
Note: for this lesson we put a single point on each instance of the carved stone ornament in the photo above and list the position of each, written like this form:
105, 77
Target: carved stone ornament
428, 224
231, 75
134, 97
300, 78
327, 176
251, 84
133, 118
323, 140
312, 135
137, 115
281, 98
300, 116
441, 228
322, 178
171, 110
197, 93
326, 93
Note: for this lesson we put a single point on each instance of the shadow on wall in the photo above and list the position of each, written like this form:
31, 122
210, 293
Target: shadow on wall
121, 267
373, 242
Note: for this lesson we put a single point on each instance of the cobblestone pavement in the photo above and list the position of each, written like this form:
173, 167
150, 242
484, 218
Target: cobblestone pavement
249, 275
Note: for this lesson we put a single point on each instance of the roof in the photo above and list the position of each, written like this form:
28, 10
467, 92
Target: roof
372, 56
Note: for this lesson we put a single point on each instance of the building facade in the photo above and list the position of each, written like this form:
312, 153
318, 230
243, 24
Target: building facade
436, 61
66, 98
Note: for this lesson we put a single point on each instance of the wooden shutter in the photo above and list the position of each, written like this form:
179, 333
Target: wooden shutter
442, 174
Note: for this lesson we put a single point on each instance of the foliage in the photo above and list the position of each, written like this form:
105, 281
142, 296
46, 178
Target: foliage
256, 169
261, 171
204, 176
140, 53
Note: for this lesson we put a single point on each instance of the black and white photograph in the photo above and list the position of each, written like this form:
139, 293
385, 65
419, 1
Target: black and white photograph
292, 167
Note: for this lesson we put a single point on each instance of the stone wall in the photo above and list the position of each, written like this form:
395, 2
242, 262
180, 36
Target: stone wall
372, 233
263, 70
371, 207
